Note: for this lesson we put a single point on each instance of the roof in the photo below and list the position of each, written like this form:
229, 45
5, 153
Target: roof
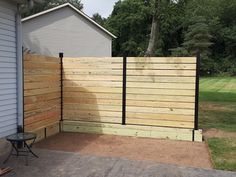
74, 8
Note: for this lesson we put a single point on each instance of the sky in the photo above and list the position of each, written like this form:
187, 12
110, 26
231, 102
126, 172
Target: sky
103, 7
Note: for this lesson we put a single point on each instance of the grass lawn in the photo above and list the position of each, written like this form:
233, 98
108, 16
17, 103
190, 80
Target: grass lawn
218, 110
223, 152
218, 103
218, 89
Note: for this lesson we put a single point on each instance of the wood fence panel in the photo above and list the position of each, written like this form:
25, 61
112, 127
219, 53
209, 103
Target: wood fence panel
42, 94
161, 91
92, 89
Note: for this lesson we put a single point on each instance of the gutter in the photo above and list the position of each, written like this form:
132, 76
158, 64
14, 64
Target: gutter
19, 62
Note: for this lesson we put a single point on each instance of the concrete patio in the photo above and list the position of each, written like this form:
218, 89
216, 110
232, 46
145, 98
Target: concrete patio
68, 164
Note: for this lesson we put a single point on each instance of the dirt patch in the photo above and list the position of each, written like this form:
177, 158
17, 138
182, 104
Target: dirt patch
215, 107
184, 153
216, 133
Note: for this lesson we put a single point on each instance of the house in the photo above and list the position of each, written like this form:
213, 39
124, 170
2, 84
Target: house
11, 89
66, 29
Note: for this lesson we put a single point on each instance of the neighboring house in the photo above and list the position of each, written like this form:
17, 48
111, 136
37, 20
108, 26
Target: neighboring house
68, 30
11, 99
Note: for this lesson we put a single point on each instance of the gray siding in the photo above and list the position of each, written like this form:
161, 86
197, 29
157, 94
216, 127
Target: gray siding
8, 70
64, 30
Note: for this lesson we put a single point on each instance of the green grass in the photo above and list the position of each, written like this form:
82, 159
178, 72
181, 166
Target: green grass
218, 103
223, 152
218, 110
218, 89
220, 115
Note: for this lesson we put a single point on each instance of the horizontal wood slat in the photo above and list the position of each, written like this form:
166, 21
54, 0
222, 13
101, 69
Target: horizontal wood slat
165, 123
160, 91
170, 98
154, 66
92, 84
161, 72
68, 77
40, 59
42, 84
77, 71
92, 65
99, 60
188, 86
90, 113
92, 95
160, 104
164, 60
160, 79
155, 116
42, 78
44, 65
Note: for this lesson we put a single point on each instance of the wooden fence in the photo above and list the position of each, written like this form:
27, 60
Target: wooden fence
161, 91
42, 94
147, 97
92, 89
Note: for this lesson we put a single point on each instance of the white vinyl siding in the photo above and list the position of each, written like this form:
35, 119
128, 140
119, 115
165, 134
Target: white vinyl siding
8, 70
64, 30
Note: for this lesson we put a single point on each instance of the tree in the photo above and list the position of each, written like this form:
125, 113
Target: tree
44, 5
197, 37
99, 19
154, 29
130, 22
167, 25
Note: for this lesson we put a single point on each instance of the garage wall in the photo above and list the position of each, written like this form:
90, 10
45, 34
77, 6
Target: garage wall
64, 30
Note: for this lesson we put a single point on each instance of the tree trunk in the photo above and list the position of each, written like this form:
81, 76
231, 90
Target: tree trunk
154, 31
153, 38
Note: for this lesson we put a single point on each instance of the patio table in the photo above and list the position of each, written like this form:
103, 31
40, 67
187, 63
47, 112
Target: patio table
18, 139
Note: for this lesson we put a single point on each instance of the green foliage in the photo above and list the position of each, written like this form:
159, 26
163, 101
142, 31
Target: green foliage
130, 21
99, 19
44, 5
184, 27
197, 37
223, 151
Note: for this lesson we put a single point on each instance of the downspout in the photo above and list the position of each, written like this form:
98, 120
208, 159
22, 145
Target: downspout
20, 85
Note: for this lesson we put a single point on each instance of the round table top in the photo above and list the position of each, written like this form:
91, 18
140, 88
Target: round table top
21, 136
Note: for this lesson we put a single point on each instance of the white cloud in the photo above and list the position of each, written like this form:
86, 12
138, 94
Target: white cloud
103, 7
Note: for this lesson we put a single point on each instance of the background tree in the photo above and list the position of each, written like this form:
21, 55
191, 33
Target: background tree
130, 21
197, 38
44, 5
183, 27
155, 29
99, 19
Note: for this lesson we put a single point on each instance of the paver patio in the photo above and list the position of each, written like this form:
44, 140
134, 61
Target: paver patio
67, 164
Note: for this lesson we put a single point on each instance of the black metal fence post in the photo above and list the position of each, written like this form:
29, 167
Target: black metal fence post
23, 90
61, 58
124, 91
197, 91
